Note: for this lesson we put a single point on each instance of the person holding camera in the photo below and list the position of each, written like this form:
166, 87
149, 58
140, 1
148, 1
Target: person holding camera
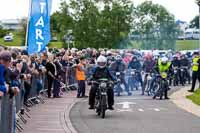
8, 91
26, 76
51, 73
5, 86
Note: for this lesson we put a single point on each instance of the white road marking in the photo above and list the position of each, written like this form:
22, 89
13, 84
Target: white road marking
124, 110
131, 98
126, 105
141, 110
157, 110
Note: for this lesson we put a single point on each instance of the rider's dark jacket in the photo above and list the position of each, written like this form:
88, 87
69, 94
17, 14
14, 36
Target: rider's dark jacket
176, 63
135, 65
98, 73
185, 62
148, 65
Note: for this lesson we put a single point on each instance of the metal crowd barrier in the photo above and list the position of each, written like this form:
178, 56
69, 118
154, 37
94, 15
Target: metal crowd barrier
14, 112
8, 109
0, 112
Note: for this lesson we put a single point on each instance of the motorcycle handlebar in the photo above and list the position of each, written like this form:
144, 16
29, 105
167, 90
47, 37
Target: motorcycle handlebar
96, 82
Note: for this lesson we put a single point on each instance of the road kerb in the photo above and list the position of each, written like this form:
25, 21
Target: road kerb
68, 123
179, 98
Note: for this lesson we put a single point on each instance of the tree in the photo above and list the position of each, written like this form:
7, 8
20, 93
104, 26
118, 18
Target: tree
156, 26
61, 21
2, 32
23, 31
95, 23
195, 22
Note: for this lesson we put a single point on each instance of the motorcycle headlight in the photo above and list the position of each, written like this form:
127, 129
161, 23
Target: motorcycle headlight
117, 73
149, 77
103, 85
133, 73
164, 75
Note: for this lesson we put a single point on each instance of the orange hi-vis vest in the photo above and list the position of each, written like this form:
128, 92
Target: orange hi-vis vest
80, 74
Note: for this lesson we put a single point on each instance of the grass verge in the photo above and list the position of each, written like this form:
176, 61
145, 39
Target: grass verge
195, 98
180, 44
187, 44
17, 41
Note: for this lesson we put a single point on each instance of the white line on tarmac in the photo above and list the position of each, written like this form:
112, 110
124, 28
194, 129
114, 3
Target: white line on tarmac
157, 110
132, 98
141, 110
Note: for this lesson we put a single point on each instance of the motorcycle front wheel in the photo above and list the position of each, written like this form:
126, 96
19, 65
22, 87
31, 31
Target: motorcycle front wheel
103, 106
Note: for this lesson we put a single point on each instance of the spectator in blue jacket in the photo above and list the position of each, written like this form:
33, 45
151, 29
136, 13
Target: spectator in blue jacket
5, 60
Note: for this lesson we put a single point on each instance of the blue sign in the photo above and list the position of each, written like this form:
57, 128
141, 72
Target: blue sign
39, 33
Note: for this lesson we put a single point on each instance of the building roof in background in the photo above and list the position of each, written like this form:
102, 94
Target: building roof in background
12, 21
13, 24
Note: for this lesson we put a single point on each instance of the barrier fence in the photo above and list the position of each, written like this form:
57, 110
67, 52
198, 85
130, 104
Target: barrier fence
15, 110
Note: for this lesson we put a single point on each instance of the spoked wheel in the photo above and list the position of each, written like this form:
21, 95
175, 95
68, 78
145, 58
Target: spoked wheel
98, 112
103, 106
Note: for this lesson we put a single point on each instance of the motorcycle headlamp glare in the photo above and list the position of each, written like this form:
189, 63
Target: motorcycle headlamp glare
164, 75
118, 73
103, 85
133, 73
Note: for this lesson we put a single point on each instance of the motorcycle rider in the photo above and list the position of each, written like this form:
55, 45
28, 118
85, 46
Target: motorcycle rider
101, 71
184, 62
135, 64
164, 65
176, 64
175, 61
156, 58
119, 66
147, 67
109, 57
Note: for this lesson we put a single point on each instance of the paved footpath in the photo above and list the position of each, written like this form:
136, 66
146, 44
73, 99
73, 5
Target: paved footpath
52, 117
179, 98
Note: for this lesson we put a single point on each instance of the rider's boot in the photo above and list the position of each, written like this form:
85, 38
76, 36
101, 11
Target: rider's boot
129, 93
91, 107
110, 107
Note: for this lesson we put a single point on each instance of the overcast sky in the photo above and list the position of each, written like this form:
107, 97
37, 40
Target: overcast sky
184, 10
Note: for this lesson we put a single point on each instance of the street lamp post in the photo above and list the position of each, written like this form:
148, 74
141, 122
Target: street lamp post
68, 38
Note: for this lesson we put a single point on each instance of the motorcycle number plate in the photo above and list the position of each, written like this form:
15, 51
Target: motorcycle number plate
118, 73
182, 70
103, 93
175, 71
133, 73
149, 77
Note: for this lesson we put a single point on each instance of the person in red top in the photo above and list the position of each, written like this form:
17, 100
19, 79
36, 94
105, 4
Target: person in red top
80, 77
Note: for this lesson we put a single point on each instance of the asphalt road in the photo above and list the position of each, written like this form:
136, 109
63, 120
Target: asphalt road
135, 114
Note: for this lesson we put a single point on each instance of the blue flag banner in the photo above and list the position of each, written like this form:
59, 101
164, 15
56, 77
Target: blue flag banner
39, 33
